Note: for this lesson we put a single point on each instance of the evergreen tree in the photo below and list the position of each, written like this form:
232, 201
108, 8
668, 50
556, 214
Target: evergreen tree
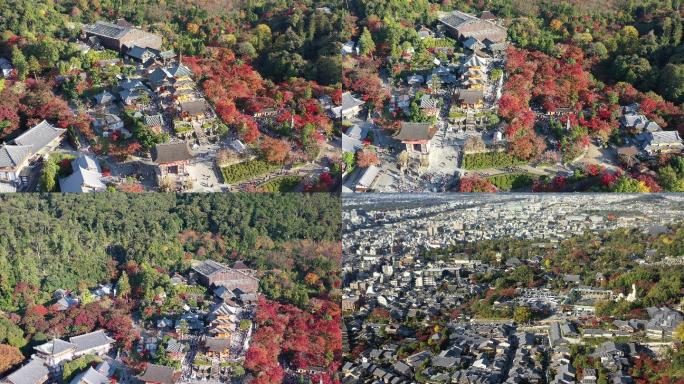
20, 63
123, 286
366, 43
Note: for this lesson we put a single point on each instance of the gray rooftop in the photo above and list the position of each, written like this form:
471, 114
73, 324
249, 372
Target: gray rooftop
54, 347
470, 96
174, 346
91, 376
103, 97
138, 52
664, 137
208, 267
13, 155
158, 374
86, 175
178, 70
456, 19
358, 131
195, 107
106, 29
86, 162
32, 373
91, 340
350, 144
81, 180
369, 176
349, 101
171, 152
415, 131
39, 136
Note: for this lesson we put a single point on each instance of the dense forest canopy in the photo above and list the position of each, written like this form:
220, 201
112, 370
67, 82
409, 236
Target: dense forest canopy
57, 241
280, 38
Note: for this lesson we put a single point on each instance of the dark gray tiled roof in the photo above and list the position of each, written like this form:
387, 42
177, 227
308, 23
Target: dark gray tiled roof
195, 107
349, 101
350, 144
217, 344
105, 29
91, 376
369, 176
179, 70
138, 52
158, 374
171, 152
54, 347
39, 136
456, 18
91, 340
470, 96
13, 155
207, 267
80, 180
415, 131
35, 372
174, 346
103, 97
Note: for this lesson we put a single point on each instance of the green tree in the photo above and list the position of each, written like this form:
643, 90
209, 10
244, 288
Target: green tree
33, 66
20, 63
262, 34
329, 70
522, 315
10, 333
679, 332
123, 286
366, 43
669, 180
672, 82
183, 328
48, 176
238, 371
348, 159
633, 69
245, 324
627, 184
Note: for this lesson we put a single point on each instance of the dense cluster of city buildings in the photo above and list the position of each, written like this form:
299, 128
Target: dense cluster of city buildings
409, 317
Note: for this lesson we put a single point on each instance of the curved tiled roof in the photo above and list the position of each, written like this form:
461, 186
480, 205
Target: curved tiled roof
33, 372
415, 131
39, 136
171, 152
54, 347
13, 155
91, 340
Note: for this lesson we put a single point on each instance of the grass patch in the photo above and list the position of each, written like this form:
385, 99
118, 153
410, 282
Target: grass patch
490, 160
282, 184
182, 128
510, 181
247, 170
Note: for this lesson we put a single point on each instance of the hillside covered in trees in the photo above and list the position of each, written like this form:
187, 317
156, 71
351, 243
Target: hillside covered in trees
138, 241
